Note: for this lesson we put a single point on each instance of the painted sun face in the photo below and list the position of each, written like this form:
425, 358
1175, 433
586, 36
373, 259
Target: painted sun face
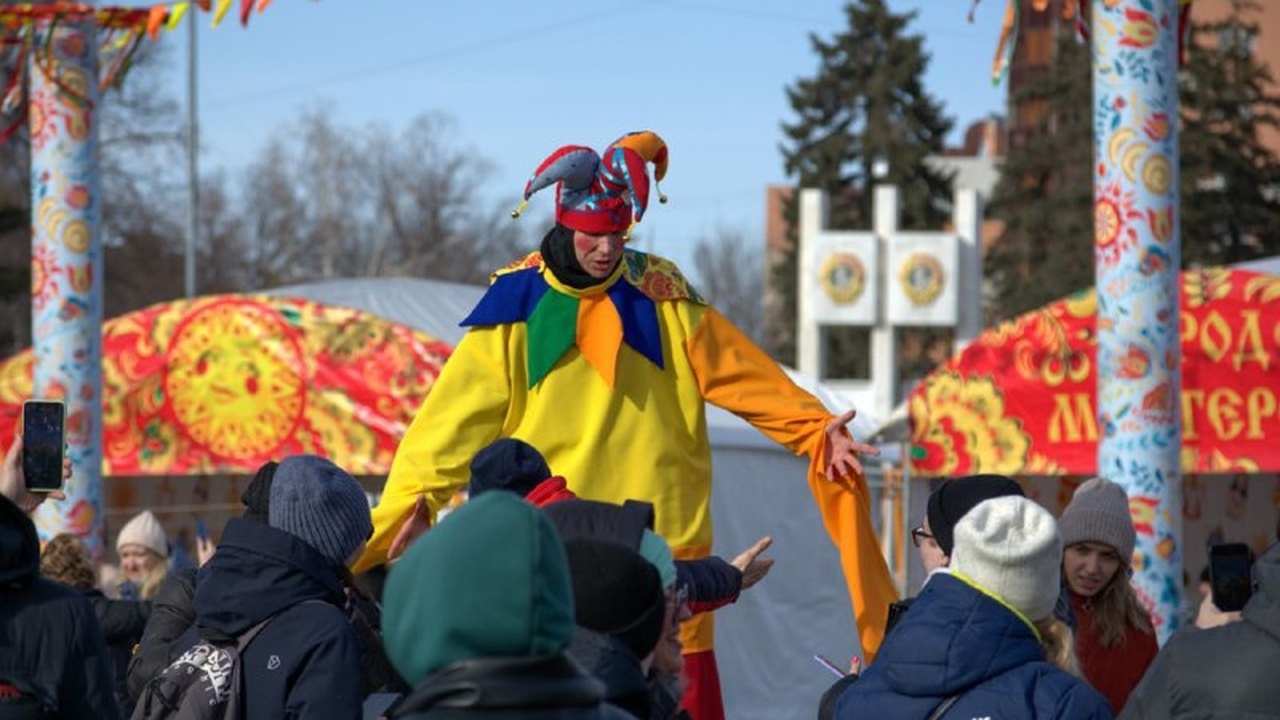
236, 380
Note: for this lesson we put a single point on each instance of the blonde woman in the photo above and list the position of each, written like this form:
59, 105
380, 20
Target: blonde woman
1114, 638
144, 556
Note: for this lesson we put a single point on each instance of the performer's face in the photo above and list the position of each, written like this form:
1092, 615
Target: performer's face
598, 254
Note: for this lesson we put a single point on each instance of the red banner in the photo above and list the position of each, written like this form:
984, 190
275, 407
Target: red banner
1020, 400
222, 384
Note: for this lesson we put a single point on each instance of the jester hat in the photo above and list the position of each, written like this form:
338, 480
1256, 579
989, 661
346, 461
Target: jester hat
601, 194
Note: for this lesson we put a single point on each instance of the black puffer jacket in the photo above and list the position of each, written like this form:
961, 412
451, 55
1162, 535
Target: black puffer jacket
554, 688
173, 612
610, 662
122, 623
51, 645
1220, 673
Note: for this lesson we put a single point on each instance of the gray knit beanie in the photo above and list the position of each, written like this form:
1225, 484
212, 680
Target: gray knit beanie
1099, 513
322, 504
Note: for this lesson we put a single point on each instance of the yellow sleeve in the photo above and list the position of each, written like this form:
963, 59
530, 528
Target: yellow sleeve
464, 411
735, 374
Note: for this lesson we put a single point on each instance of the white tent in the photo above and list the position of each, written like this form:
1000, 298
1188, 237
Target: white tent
766, 641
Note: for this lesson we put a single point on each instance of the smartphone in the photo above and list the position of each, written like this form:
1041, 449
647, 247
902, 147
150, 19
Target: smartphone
829, 665
44, 440
1231, 575
202, 532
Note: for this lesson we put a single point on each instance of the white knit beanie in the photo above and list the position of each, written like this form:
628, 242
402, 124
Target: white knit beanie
1010, 547
1099, 513
145, 530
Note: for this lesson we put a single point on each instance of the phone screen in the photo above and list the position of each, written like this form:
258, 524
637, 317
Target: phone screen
828, 665
1230, 575
43, 440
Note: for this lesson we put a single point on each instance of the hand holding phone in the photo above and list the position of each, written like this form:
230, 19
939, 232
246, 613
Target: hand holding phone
854, 669
44, 441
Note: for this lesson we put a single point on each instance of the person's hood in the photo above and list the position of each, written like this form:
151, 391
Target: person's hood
256, 572
953, 638
1263, 609
19, 545
490, 580
610, 662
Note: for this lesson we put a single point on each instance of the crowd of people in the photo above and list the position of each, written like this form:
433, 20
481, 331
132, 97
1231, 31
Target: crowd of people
529, 602
588, 592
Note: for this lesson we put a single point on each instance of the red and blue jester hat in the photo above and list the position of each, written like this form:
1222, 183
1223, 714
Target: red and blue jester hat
601, 194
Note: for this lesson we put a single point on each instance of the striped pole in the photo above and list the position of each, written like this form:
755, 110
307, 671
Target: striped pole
1135, 94
66, 262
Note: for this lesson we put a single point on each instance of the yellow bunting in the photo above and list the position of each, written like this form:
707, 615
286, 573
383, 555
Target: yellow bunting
223, 7
179, 12
599, 335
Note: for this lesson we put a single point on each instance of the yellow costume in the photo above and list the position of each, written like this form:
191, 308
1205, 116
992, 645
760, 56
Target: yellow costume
616, 407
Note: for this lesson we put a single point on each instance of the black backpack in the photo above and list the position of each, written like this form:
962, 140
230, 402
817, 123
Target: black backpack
205, 683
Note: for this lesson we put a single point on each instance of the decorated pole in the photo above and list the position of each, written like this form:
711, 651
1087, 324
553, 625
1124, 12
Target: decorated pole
1135, 93
66, 260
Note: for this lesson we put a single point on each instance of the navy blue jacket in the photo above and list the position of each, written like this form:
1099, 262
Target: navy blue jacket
306, 663
957, 641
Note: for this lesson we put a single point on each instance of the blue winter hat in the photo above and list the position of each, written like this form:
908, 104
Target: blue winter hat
322, 504
508, 464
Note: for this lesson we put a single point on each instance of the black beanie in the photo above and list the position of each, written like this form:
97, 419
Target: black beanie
257, 497
508, 464
618, 593
955, 498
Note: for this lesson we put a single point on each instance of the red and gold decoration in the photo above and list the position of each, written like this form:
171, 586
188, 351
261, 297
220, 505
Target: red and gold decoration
224, 383
1022, 398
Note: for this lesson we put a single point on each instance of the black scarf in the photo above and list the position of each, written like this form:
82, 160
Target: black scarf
558, 254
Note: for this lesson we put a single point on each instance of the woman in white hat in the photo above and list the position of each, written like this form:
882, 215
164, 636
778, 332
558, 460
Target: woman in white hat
144, 556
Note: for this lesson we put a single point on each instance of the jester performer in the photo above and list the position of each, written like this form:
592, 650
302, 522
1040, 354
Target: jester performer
602, 357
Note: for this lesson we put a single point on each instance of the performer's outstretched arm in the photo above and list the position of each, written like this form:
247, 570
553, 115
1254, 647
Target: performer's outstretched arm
463, 412
735, 374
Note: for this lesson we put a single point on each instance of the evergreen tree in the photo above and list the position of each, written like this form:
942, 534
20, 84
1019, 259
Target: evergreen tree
865, 105
1230, 180
1045, 193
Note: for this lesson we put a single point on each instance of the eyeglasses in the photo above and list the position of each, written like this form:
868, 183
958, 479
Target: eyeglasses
919, 535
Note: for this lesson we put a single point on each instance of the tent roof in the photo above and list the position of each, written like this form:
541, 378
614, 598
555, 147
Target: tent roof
436, 307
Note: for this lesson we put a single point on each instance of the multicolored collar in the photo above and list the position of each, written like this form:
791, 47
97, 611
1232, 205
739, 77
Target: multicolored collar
596, 320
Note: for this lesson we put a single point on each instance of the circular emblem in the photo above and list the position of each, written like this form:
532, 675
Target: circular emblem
922, 278
843, 277
235, 379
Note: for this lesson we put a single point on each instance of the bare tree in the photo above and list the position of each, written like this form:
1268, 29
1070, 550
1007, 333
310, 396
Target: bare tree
325, 201
731, 273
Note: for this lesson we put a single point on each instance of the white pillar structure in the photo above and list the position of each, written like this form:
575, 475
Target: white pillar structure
883, 280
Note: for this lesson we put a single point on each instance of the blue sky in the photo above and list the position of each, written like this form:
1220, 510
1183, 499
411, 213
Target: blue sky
521, 78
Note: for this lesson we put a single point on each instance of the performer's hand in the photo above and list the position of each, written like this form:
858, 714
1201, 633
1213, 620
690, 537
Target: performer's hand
415, 524
843, 450
753, 567
13, 484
